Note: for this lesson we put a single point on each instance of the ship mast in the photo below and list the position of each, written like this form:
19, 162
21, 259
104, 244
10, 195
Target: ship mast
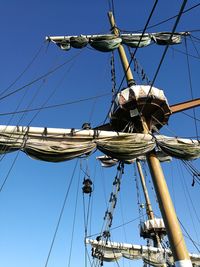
149, 209
156, 237
177, 243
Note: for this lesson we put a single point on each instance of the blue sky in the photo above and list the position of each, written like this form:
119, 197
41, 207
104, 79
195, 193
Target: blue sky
32, 197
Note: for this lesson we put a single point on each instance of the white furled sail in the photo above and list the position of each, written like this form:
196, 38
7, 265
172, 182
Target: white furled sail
107, 161
56, 145
113, 251
109, 42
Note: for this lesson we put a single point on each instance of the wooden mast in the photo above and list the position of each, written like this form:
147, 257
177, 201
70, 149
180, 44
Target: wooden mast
177, 243
122, 54
149, 210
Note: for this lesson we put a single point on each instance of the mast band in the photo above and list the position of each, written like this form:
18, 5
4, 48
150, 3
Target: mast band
183, 263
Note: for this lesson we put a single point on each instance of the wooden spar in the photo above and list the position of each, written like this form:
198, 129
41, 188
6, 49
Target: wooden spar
185, 105
177, 243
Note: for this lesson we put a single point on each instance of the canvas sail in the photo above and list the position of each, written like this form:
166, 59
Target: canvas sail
113, 251
109, 42
56, 145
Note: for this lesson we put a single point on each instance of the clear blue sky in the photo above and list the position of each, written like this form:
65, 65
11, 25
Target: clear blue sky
32, 197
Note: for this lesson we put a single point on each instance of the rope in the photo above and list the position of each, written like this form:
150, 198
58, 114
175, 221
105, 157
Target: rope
6, 178
138, 69
190, 84
55, 105
164, 53
143, 32
173, 17
170, 18
192, 170
196, 38
74, 219
26, 68
118, 226
113, 76
39, 78
197, 120
86, 210
181, 52
86, 214
139, 202
188, 199
60, 216
51, 95
149, 18
108, 218
189, 236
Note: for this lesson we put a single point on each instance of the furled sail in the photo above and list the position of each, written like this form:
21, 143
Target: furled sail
180, 148
113, 251
109, 42
56, 145
105, 44
126, 147
107, 161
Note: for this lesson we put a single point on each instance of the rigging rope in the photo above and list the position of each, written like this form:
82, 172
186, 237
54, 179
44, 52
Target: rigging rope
55, 105
143, 32
20, 117
139, 201
74, 219
26, 68
9, 171
194, 243
86, 210
138, 69
61, 214
3, 156
194, 40
166, 20
118, 226
108, 218
198, 120
164, 53
39, 78
113, 76
189, 200
192, 170
130, 62
44, 103
190, 84
86, 214
51, 95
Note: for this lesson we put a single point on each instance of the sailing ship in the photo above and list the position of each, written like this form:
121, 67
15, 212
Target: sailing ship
129, 138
